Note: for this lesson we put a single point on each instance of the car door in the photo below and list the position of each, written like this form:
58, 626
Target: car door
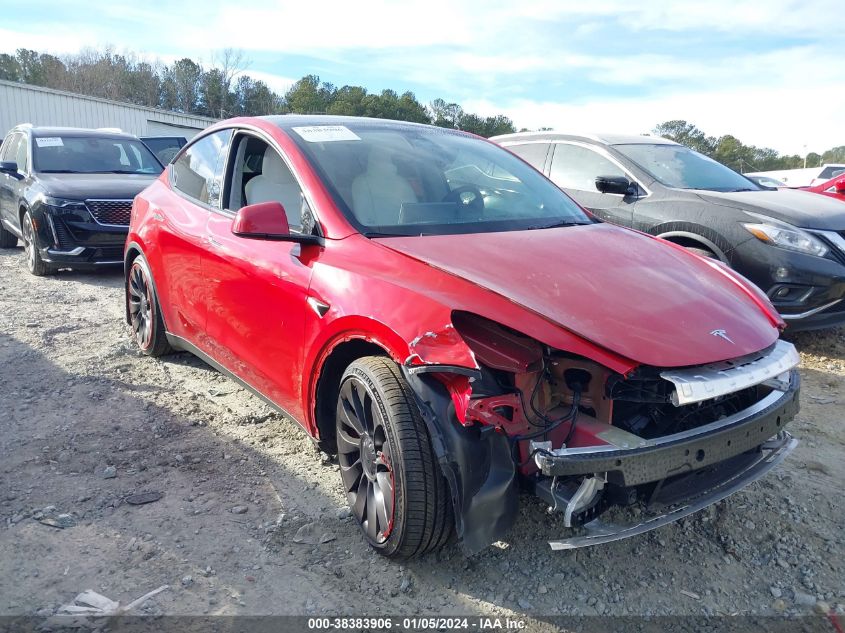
259, 288
8, 183
574, 167
196, 180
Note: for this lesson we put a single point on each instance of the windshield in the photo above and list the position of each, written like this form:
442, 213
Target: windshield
680, 167
414, 180
93, 155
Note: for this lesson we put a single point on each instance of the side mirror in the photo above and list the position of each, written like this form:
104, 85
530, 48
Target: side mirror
839, 185
10, 167
616, 184
268, 221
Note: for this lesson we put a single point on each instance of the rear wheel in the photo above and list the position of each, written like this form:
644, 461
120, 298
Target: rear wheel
144, 311
34, 263
392, 480
7, 238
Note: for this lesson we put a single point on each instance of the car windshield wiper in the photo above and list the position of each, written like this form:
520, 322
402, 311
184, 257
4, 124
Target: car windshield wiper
59, 171
555, 225
377, 234
745, 189
118, 171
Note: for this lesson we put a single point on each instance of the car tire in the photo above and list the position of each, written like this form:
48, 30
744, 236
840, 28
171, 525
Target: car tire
703, 252
7, 238
34, 263
145, 311
395, 489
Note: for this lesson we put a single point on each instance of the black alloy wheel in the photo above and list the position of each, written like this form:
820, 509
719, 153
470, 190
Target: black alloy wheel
393, 482
365, 460
144, 312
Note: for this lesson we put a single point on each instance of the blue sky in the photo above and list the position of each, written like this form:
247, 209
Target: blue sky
766, 71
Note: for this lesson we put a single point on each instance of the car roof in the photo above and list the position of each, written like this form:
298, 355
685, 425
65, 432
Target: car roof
603, 139
288, 121
39, 132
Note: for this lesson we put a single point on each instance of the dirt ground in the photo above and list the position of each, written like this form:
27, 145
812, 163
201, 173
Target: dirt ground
253, 521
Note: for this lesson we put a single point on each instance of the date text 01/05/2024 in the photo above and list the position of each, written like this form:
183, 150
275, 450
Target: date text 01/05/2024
416, 623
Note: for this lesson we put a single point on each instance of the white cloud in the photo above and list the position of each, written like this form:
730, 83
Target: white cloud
46, 40
325, 29
492, 55
277, 83
789, 120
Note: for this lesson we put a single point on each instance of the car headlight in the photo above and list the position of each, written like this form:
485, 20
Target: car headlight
62, 203
786, 236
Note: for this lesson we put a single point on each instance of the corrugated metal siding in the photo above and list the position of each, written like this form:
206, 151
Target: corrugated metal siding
21, 103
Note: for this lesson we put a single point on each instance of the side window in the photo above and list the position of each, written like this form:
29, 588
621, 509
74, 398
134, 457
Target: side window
576, 167
22, 156
259, 174
532, 153
10, 147
198, 172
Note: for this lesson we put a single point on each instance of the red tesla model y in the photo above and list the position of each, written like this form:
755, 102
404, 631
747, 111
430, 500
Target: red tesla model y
456, 329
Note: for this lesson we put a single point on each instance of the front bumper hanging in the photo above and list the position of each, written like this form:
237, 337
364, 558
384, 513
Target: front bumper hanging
598, 531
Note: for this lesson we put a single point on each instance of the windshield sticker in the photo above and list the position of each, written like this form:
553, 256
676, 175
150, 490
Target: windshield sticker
325, 133
49, 141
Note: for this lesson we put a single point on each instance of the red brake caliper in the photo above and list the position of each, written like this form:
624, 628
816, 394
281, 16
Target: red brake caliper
381, 458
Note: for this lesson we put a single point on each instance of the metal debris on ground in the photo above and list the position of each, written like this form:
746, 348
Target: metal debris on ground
89, 603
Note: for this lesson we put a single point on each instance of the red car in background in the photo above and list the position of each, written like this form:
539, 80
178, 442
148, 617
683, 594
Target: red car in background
454, 328
835, 188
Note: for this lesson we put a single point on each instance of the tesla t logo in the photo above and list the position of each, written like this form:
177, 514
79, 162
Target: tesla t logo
721, 334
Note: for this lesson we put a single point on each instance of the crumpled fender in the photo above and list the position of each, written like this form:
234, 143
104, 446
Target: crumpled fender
476, 461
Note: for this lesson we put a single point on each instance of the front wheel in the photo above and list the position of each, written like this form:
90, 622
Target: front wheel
144, 310
36, 265
702, 252
392, 480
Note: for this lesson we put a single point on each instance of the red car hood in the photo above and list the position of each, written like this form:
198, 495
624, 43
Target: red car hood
625, 291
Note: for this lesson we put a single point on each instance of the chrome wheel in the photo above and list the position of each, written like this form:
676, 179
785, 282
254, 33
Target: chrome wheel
365, 460
29, 243
140, 306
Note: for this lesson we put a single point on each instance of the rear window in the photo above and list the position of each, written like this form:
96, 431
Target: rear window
93, 155
165, 148
831, 171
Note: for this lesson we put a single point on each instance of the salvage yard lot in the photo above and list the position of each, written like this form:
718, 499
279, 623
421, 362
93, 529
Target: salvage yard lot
253, 521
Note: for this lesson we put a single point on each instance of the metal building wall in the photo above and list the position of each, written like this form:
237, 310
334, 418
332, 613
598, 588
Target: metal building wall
21, 103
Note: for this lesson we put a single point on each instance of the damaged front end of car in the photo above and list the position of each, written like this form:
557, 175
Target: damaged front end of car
587, 439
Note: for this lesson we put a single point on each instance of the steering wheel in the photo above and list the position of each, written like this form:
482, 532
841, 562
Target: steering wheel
467, 197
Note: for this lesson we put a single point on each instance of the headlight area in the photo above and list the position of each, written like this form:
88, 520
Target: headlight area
783, 235
586, 439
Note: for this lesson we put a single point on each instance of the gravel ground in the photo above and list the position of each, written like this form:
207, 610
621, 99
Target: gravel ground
253, 521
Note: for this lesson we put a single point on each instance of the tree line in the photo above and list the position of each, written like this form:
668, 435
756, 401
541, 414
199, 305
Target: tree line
223, 89
730, 151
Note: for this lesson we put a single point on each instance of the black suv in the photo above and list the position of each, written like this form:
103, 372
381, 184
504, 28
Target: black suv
67, 193
790, 243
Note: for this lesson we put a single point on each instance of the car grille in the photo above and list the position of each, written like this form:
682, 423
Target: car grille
117, 212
